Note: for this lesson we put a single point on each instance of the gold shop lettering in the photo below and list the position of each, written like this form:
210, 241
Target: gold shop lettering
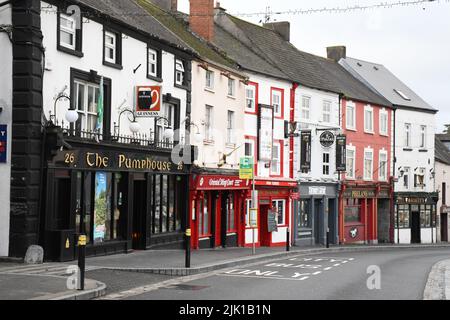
144, 164
94, 160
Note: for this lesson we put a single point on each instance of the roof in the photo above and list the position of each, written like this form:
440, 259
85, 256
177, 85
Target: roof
445, 137
381, 80
179, 27
138, 19
442, 153
304, 68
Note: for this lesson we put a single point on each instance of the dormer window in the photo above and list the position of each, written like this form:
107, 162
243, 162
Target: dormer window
179, 72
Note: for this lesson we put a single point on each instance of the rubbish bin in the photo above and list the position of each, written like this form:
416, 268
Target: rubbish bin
61, 245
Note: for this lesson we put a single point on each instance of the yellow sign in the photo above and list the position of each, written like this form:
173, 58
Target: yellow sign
246, 168
82, 240
67, 243
188, 232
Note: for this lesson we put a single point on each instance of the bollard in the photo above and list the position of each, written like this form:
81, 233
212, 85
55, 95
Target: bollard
288, 241
328, 238
188, 248
81, 259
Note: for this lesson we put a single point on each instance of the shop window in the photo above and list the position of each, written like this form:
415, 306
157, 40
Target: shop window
204, 218
102, 207
425, 216
166, 213
352, 210
305, 220
279, 207
231, 215
402, 218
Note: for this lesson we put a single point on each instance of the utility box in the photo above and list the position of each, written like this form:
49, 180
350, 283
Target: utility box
60, 245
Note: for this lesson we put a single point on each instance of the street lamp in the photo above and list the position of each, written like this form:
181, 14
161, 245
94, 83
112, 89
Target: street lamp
198, 137
135, 127
71, 115
168, 133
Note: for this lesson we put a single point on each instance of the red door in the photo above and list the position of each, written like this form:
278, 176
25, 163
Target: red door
265, 236
218, 226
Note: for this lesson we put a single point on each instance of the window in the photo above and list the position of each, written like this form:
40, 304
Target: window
444, 193
277, 103
209, 124
368, 119
153, 63
166, 213
279, 207
230, 127
305, 220
111, 47
168, 112
383, 122
204, 225
249, 148
306, 108
407, 135
179, 72
276, 159
406, 177
67, 32
382, 171
368, 164
250, 93
326, 112
419, 178
350, 116
402, 216
231, 87
351, 151
423, 136
209, 84
352, 210
326, 164
86, 103
231, 217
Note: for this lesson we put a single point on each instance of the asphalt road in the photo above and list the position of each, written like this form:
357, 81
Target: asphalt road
340, 276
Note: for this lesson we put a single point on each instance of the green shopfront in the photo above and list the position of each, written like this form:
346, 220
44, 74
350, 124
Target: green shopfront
123, 197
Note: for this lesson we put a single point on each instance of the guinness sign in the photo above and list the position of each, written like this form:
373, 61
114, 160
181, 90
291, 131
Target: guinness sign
327, 139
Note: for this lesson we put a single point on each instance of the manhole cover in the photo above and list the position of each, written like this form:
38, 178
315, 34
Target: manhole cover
186, 287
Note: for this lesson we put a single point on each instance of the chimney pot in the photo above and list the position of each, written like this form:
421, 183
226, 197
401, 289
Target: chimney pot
337, 53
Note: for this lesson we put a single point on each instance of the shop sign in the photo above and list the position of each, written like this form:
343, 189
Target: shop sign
305, 157
246, 168
327, 139
360, 194
272, 223
148, 101
221, 183
317, 191
108, 160
295, 196
383, 194
265, 133
341, 153
413, 200
267, 183
3, 143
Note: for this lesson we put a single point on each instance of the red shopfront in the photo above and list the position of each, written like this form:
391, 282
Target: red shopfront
275, 195
217, 206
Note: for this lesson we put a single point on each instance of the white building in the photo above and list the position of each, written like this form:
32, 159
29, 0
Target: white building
443, 187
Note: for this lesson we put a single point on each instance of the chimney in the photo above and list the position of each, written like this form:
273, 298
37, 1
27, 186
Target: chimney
168, 5
337, 53
201, 18
283, 28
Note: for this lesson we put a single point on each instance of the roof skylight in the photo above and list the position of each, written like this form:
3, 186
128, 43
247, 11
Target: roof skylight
401, 94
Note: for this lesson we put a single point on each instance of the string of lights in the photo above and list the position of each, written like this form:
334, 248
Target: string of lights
326, 10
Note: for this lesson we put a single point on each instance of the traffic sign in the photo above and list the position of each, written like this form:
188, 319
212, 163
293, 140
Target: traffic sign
246, 168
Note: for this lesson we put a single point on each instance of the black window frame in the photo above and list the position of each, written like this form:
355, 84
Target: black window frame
78, 52
158, 77
185, 79
119, 52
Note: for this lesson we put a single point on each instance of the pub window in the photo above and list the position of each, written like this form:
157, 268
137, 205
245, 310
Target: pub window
166, 212
112, 55
231, 216
179, 72
154, 63
279, 207
86, 103
352, 210
204, 218
326, 164
168, 112
402, 219
248, 204
305, 215
157, 206
67, 32
425, 216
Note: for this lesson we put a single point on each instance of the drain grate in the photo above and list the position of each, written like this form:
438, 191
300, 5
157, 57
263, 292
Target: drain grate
186, 287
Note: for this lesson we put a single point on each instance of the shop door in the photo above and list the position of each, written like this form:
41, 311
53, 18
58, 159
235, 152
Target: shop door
265, 235
218, 220
318, 221
332, 221
444, 227
139, 213
415, 227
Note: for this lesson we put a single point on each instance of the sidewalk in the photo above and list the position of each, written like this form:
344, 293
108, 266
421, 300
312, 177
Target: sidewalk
438, 284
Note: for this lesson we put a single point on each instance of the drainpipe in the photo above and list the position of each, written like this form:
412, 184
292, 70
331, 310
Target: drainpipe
393, 183
291, 162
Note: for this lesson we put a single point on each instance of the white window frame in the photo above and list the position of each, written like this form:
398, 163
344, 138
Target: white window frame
326, 113
423, 136
209, 124
231, 87
168, 112
179, 72
112, 46
352, 176
85, 114
71, 31
368, 109
348, 125
152, 62
408, 131
209, 79
306, 108
230, 127
276, 160
384, 123
277, 111
366, 177
283, 222
385, 154
250, 88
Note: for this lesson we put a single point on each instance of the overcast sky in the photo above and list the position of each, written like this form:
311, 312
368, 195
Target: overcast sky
412, 41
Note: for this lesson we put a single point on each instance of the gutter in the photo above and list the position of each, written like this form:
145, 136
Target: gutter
5, 3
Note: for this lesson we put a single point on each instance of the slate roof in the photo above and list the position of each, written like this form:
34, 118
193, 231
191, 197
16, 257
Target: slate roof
385, 82
306, 69
442, 154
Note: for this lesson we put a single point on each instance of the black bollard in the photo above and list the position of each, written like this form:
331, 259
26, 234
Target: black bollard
82, 259
188, 248
328, 238
288, 241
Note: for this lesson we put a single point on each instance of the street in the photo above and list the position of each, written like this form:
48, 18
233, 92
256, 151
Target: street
339, 276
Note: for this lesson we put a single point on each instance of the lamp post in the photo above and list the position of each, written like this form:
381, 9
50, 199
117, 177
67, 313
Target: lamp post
135, 127
71, 114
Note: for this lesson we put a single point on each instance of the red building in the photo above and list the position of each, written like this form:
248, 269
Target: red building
366, 192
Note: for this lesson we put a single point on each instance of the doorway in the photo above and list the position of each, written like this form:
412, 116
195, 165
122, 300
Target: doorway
62, 204
444, 227
415, 227
139, 214
265, 235
318, 221
332, 221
